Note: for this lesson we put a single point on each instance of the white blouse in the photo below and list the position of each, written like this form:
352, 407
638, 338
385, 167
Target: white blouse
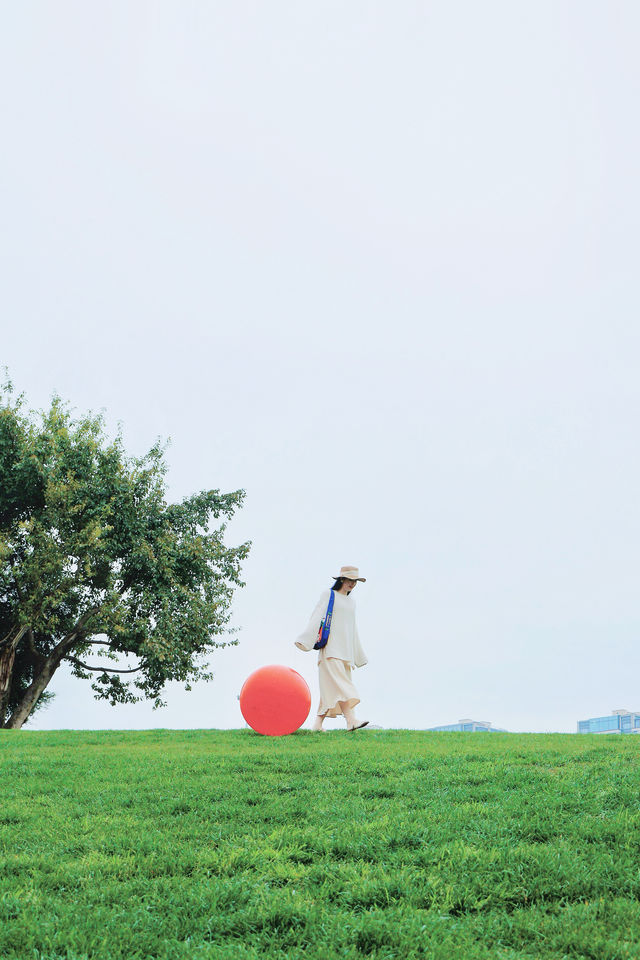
344, 642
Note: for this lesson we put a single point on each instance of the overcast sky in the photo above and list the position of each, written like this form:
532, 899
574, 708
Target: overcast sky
377, 264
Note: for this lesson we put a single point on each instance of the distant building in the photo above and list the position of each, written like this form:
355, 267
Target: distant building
470, 726
620, 721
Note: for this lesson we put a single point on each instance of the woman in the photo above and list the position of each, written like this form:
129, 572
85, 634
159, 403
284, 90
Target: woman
343, 651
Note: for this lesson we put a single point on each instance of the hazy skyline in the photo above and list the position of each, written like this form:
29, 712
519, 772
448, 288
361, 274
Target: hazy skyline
377, 265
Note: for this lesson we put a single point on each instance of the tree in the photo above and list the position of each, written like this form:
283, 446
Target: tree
95, 564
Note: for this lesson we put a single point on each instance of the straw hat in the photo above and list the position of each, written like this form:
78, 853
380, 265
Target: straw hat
350, 573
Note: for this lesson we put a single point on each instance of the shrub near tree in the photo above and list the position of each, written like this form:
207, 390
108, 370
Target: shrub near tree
95, 564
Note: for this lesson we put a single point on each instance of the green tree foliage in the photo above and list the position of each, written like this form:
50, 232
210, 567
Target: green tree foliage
95, 564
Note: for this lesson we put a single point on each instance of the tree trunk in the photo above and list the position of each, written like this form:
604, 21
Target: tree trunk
7, 658
32, 694
43, 676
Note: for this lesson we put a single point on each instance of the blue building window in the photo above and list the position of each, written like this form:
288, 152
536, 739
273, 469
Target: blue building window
622, 722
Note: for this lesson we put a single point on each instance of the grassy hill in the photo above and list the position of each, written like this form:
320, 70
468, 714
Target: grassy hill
389, 844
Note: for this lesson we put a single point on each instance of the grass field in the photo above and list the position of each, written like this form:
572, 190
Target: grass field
388, 844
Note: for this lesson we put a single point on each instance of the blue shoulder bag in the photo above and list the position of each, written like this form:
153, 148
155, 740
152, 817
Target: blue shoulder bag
325, 625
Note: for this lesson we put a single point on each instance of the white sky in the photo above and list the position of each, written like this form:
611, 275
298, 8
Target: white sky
377, 263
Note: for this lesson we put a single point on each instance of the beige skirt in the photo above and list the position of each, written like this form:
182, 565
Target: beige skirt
336, 685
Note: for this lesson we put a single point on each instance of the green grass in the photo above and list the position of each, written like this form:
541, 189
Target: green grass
389, 844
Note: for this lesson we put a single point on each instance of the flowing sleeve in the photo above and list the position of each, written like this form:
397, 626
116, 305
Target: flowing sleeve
309, 636
359, 656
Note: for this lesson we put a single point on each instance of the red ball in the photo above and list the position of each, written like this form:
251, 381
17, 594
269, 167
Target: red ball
275, 700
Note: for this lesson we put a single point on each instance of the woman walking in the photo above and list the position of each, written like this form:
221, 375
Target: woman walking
342, 651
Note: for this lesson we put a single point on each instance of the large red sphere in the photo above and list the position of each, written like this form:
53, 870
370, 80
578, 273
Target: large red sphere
275, 700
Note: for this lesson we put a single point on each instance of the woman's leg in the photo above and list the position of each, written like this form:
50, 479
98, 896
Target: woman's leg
352, 721
317, 723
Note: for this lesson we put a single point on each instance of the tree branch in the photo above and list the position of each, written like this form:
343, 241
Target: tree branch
60, 649
13, 637
85, 666
37, 658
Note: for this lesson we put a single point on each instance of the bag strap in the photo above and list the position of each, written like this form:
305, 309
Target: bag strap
327, 620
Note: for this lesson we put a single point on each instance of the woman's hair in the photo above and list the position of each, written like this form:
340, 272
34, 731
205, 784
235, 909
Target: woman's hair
338, 584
